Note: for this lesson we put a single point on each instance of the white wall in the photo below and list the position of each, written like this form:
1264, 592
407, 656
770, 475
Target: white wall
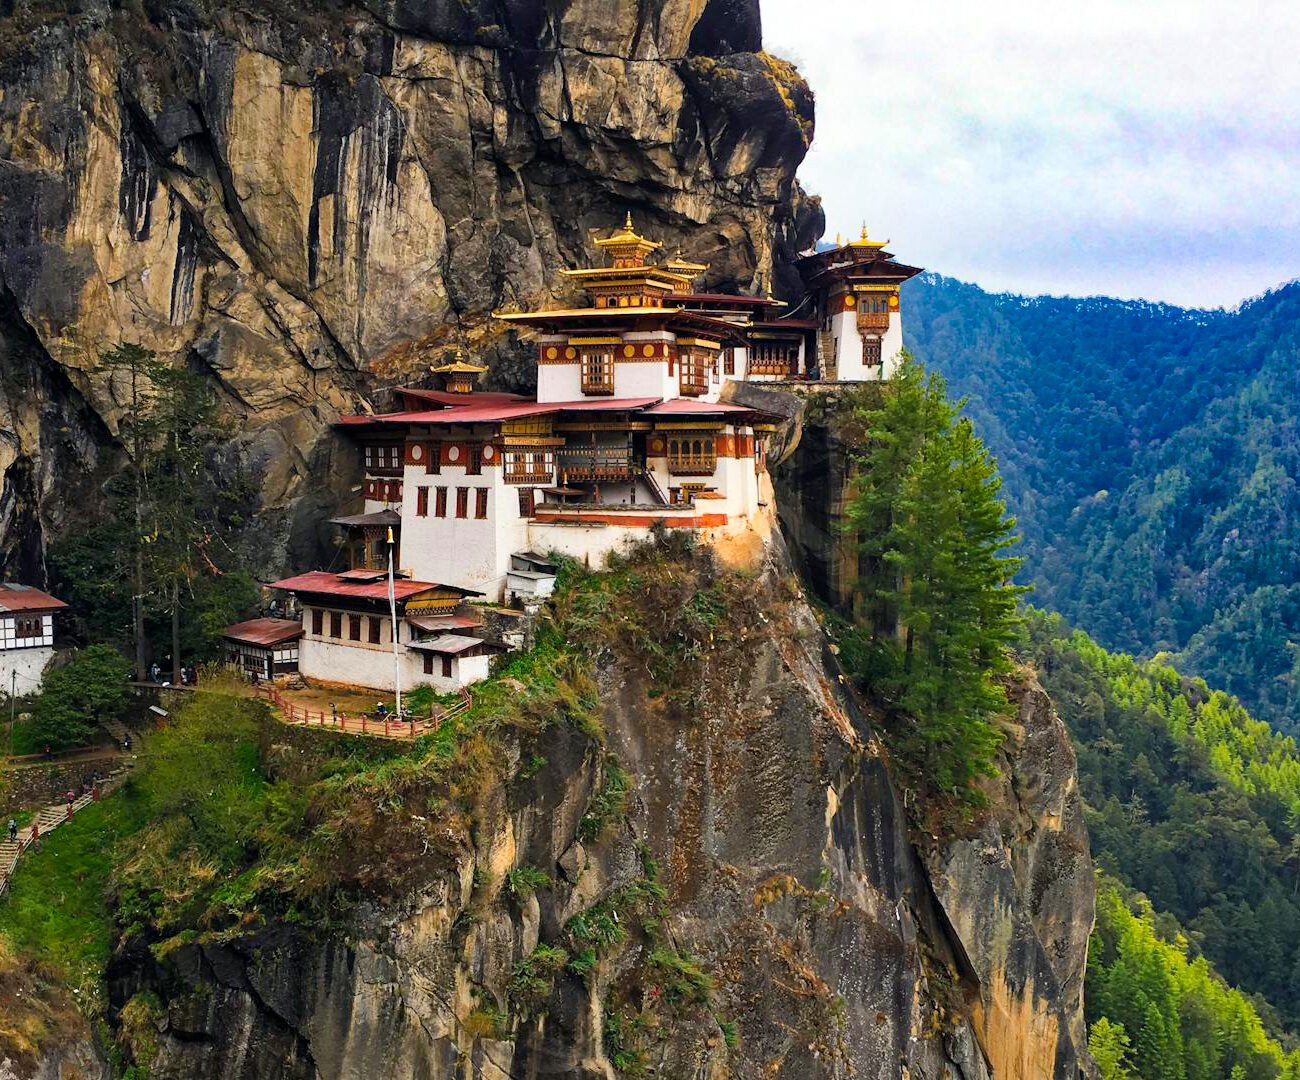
27, 664
848, 347
469, 552
892, 344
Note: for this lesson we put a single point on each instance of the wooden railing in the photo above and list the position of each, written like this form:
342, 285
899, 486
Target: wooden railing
692, 464
389, 726
873, 320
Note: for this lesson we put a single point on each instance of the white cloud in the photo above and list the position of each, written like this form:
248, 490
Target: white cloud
1128, 147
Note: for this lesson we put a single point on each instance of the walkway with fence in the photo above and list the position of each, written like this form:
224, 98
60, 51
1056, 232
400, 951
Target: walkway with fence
46, 821
388, 726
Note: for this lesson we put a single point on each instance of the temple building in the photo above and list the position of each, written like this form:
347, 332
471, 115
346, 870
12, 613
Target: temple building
345, 634
630, 429
26, 637
853, 296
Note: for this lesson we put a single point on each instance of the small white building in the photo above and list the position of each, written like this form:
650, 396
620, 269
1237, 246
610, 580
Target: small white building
346, 634
26, 637
263, 648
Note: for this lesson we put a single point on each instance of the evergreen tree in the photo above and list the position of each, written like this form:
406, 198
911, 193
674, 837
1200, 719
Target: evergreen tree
939, 606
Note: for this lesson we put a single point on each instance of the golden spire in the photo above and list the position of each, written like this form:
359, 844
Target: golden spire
627, 225
867, 242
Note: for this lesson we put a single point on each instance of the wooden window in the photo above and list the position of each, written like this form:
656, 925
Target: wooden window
871, 350
526, 504
440, 503
422, 502
385, 458
354, 627
336, 624
692, 455
480, 503
317, 621
597, 371
433, 458
873, 312
729, 361
374, 630
446, 667
29, 626
428, 663
462, 502
529, 466
474, 466
694, 367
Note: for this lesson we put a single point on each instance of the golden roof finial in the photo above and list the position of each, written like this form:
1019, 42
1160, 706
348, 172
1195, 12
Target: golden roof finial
628, 223
864, 231
839, 240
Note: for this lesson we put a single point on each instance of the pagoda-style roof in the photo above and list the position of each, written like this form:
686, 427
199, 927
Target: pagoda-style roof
863, 259
563, 319
626, 247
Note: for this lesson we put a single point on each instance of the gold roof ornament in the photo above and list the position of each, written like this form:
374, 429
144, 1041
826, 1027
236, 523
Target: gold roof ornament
459, 366
865, 242
684, 267
626, 247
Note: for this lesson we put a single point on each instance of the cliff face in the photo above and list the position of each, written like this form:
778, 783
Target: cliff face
800, 932
308, 202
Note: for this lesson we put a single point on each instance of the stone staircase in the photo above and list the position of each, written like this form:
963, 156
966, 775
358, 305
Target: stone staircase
826, 361
45, 821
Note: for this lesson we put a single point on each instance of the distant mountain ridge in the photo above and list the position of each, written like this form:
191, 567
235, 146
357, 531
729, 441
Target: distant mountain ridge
1151, 454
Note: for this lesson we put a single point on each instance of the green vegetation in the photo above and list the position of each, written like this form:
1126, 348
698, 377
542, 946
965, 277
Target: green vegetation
77, 697
1191, 801
57, 907
938, 609
534, 978
523, 881
1150, 456
1158, 1013
609, 802
152, 572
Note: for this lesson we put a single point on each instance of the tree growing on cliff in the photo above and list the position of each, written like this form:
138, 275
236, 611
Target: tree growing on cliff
167, 515
939, 609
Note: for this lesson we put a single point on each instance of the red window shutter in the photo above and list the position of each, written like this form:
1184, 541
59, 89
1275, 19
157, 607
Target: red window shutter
422, 502
440, 503
462, 502
525, 502
428, 663
336, 624
354, 627
374, 630
317, 621
480, 503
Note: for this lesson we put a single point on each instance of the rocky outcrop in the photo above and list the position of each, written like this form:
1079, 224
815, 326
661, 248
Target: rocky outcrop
762, 806
308, 204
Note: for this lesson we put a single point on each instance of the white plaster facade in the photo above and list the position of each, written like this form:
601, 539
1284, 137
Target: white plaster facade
25, 655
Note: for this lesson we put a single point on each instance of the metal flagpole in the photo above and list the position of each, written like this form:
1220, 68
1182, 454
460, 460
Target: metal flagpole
392, 610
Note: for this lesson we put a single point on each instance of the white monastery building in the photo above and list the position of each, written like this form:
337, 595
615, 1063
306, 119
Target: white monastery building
630, 429
26, 636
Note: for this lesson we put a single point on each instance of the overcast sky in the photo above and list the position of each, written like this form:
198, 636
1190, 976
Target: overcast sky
1138, 148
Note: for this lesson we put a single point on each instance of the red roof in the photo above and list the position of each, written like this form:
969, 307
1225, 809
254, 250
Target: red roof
725, 298
447, 397
25, 598
487, 413
265, 632
606, 404
328, 584
690, 407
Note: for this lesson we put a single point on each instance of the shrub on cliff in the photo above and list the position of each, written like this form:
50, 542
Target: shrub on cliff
938, 609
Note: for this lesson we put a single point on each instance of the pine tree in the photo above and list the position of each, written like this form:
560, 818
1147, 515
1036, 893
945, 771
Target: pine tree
936, 587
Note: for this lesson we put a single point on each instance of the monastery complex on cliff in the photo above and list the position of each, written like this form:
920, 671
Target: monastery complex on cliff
632, 427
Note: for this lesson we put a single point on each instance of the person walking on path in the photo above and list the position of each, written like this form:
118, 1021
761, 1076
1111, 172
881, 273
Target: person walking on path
13, 831
126, 742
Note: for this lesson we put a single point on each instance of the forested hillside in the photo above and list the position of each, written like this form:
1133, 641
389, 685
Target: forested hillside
1151, 455
1193, 803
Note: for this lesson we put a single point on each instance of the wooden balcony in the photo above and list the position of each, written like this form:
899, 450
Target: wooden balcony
588, 463
873, 320
692, 464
